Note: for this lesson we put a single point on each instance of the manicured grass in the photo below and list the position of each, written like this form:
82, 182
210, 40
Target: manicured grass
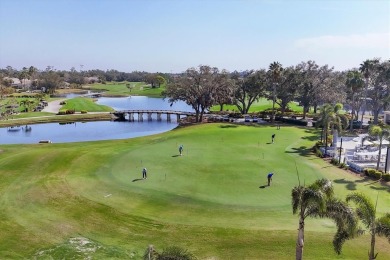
258, 106
120, 89
211, 200
87, 104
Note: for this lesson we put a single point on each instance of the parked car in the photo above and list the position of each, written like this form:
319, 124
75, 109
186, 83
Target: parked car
247, 118
255, 119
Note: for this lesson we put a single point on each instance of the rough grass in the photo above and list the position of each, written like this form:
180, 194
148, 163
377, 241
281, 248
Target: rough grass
211, 200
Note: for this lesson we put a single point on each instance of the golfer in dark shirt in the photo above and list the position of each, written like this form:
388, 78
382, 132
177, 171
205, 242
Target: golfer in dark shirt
269, 177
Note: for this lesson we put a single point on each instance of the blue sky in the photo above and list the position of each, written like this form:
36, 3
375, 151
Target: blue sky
173, 35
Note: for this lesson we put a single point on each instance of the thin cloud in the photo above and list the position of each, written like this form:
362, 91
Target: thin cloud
370, 40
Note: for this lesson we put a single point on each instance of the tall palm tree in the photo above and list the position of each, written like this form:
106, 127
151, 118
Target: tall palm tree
275, 68
381, 133
332, 119
355, 84
366, 68
366, 212
317, 201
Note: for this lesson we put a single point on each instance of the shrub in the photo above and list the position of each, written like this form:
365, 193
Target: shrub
63, 103
343, 166
62, 112
69, 111
386, 177
84, 111
371, 172
334, 161
376, 175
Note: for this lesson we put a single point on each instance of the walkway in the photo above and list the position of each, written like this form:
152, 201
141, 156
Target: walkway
53, 106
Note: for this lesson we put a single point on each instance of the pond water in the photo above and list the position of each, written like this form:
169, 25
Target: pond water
102, 130
80, 132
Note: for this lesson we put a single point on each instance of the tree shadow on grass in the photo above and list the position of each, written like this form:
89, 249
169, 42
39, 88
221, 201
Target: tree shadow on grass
350, 185
302, 151
380, 188
228, 126
137, 180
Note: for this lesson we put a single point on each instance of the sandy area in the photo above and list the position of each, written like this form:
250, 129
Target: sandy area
53, 106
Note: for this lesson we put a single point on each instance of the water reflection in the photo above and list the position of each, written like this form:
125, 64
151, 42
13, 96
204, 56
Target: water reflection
80, 132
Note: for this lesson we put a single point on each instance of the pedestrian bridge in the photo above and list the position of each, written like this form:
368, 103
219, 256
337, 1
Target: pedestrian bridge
128, 115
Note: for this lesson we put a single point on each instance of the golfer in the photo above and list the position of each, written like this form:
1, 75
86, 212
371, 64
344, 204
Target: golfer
144, 171
273, 138
181, 149
269, 177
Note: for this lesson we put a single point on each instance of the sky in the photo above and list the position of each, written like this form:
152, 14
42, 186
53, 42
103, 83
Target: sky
173, 35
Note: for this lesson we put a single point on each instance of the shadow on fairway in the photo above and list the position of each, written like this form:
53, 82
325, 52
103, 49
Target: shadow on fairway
350, 185
268, 143
228, 126
302, 151
176, 155
380, 188
262, 187
137, 180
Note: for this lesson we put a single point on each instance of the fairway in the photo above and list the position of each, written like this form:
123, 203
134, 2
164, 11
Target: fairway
213, 200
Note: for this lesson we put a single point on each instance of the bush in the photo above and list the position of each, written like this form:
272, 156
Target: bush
84, 111
62, 112
376, 175
334, 161
343, 166
386, 177
292, 121
69, 111
63, 103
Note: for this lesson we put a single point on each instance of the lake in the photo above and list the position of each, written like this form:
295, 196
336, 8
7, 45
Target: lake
101, 130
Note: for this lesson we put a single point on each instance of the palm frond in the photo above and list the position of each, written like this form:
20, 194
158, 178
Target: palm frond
382, 226
365, 208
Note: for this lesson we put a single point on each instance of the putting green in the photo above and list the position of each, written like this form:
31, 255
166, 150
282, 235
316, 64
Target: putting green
212, 200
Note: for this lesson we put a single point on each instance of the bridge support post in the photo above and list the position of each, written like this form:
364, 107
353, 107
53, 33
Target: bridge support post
178, 118
149, 116
140, 117
131, 117
168, 117
159, 117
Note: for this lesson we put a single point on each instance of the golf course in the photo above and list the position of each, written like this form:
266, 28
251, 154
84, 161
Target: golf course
88, 200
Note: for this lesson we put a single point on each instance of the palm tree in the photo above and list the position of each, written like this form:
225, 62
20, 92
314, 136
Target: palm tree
381, 133
366, 211
355, 84
317, 201
275, 69
331, 118
366, 68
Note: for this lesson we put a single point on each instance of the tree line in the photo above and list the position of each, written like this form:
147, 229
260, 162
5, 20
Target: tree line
50, 79
360, 89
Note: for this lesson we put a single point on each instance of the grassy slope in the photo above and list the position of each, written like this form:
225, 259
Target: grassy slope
120, 89
87, 104
208, 200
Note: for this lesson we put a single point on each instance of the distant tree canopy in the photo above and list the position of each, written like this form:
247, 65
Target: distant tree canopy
307, 83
